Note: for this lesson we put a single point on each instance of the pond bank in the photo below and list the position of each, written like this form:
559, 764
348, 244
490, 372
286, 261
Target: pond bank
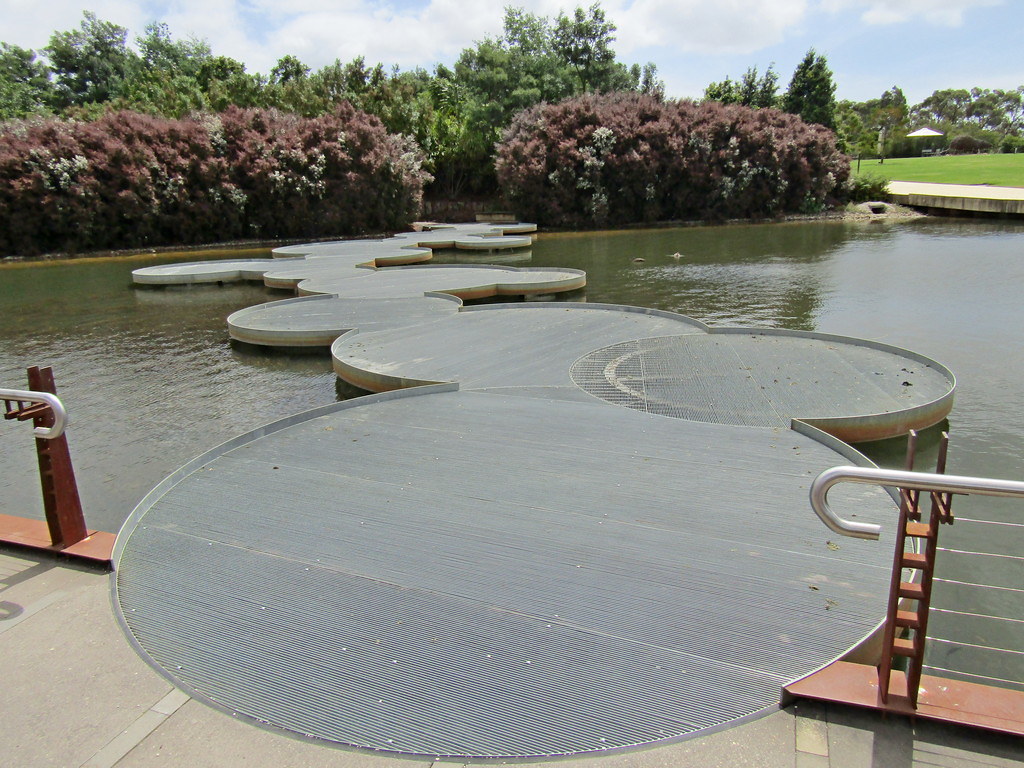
236, 248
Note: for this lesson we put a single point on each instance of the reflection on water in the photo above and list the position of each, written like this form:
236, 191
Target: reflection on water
151, 379
148, 376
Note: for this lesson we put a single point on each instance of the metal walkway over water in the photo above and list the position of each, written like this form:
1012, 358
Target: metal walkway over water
507, 565
483, 575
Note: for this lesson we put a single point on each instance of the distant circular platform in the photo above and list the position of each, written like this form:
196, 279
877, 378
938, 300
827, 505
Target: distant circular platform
431, 236
854, 389
474, 575
462, 280
493, 243
316, 321
204, 272
337, 258
288, 274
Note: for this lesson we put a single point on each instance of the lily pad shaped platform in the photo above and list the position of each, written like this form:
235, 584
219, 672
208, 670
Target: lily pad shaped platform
463, 280
510, 565
316, 321
343, 255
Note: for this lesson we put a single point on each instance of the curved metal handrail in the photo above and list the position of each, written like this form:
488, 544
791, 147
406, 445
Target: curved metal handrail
914, 481
60, 415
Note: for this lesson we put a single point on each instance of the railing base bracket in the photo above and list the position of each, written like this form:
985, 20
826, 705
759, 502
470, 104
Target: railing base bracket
940, 699
23, 533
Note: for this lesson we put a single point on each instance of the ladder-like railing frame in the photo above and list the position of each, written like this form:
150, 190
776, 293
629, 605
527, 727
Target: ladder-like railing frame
910, 484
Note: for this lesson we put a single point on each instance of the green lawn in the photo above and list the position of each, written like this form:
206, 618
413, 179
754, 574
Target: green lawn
997, 170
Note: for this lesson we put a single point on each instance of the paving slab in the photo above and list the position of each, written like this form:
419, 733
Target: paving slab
71, 681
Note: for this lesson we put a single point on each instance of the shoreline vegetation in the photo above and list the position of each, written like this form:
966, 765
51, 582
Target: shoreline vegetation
109, 146
595, 161
860, 212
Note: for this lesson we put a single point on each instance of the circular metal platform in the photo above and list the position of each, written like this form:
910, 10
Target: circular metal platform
854, 389
476, 575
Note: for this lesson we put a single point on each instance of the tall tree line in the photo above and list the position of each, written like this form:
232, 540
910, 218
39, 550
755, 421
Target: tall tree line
992, 117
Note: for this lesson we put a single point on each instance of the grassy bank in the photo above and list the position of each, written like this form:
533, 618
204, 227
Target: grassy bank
996, 170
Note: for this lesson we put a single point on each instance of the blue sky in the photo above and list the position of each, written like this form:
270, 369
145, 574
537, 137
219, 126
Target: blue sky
871, 45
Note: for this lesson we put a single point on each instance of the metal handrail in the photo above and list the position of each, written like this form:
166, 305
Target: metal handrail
60, 415
912, 481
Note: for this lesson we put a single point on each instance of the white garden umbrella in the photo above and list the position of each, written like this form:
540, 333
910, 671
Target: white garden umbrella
924, 132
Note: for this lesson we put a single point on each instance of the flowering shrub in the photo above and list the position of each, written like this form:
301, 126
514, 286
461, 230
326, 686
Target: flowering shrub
128, 179
622, 158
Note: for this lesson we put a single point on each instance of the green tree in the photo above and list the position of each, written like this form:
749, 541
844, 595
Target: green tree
889, 116
91, 63
811, 92
161, 53
946, 106
724, 91
1011, 104
750, 91
650, 83
759, 92
584, 42
533, 60
225, 83
25, 87
166, 81
287, 69
853, 136
218, 68
992, 115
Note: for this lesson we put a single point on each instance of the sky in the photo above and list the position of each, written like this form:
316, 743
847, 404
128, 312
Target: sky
871, 45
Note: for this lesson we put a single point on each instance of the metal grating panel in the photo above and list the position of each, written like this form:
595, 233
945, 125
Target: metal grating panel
479, 575
759, 380
523, 345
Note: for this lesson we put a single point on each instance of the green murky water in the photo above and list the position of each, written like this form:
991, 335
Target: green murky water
151, 380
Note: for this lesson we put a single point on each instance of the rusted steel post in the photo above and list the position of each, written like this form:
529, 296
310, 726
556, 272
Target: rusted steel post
61, 503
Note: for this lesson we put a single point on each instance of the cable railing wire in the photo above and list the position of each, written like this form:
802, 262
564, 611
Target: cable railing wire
976, 615
988, 522
975, 676
979, 554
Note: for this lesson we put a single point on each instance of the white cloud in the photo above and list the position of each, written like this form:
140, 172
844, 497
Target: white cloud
723, 26
948, 13
30, 23
404, 32
407, 37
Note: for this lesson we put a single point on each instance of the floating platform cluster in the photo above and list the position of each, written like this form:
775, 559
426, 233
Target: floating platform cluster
557, 528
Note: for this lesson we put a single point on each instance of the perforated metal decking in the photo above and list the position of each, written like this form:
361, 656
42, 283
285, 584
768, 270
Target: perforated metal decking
477, 575
854, 389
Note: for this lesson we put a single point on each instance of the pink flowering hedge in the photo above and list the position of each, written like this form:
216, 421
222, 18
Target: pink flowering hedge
623, 158
129, 180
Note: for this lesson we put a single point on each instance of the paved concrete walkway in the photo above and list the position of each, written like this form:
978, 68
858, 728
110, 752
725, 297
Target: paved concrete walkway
975, 198
76, 695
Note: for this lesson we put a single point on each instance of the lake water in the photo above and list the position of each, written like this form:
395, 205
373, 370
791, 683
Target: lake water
151, 380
